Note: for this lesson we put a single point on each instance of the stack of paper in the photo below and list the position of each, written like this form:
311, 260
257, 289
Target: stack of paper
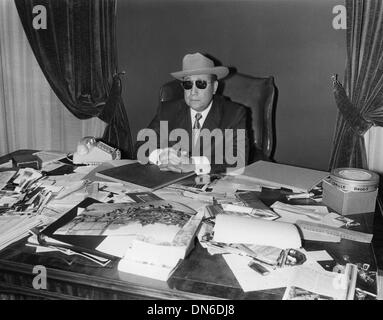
159, 260
14, 228
281, 175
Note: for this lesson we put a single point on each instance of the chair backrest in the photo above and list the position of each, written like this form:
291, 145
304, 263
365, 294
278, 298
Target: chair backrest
257, 94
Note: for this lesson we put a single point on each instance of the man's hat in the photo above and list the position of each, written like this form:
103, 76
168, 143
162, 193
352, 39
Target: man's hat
199, 64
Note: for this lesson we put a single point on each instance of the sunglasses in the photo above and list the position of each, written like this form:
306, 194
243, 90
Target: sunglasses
200, 84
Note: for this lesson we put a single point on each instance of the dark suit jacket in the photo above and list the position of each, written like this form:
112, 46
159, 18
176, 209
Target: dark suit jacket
224, 114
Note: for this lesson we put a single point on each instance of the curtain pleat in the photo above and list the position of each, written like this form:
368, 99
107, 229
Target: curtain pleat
360, 103
31, 116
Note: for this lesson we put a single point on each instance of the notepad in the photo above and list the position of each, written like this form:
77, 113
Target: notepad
148, 176
280, 175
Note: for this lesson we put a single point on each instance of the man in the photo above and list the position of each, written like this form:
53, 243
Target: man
202, 132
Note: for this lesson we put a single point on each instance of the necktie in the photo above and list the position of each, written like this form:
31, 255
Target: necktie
196, 127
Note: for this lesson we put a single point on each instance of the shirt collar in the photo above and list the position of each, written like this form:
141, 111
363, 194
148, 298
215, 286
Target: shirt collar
203, 113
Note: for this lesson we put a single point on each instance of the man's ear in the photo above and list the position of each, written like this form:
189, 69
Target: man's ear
215, 86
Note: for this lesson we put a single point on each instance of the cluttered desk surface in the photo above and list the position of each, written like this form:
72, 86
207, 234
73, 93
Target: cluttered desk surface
290, 240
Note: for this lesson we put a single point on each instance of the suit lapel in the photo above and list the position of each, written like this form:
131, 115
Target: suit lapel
213, 119
184, 121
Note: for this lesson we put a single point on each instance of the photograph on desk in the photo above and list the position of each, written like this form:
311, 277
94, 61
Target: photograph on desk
153, 234
165, 218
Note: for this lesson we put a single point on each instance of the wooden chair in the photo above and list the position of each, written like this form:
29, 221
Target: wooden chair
258, 95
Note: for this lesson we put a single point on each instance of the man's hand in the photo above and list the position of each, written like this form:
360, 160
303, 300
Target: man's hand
176, 161
170, 156
180, 168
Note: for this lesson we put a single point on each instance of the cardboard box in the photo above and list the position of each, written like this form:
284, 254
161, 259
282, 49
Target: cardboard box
351, 202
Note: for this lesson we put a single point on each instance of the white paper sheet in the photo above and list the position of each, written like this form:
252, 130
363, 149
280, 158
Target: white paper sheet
69, 201
329, 284
49, 156
145, 270
49, 215
291, 213
175, 195
330, 220
230, 185
13, 228
5, 176
316, 236
242, 229
84, 169
116, 245
250, 280
315, 256
6, 165
115, 187
379, 285
66, 179
121, 162
322, 214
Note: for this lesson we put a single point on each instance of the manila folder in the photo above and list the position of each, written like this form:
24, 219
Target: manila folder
280, 175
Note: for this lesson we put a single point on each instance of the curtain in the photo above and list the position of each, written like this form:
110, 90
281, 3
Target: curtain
360, 101
373, 140
31, 116
77, 54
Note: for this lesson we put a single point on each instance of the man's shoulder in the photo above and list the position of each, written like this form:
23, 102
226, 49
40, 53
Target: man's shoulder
228, 106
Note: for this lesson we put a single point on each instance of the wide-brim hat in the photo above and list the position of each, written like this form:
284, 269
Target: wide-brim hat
197, 63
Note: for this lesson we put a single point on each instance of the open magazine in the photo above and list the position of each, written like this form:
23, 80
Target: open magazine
151, 235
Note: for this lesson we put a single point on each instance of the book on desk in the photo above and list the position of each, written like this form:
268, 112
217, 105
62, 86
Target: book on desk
148, 176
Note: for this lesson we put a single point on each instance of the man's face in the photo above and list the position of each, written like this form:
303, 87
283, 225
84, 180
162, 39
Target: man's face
199, 99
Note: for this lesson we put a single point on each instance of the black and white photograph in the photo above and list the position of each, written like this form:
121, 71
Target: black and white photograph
209, 152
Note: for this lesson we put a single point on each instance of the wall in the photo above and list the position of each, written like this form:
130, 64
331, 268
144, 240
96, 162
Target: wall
293, 40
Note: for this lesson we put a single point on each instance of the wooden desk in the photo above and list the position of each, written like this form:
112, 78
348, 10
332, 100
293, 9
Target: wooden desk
200, 276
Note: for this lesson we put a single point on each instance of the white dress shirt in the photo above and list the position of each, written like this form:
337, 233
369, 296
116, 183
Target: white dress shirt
203, 113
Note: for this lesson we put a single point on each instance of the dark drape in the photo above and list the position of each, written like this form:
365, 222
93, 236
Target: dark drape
360, 102
77, 54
